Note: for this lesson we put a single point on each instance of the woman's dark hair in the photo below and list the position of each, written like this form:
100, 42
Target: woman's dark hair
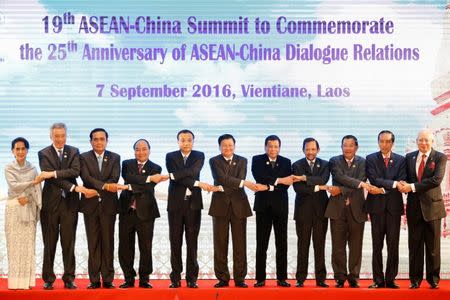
20, 139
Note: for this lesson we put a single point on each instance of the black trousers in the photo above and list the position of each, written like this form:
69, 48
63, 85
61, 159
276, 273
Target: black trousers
60, 223
385, 225
264, 222
187, 221
100, 238
221, 228
428, 234
346, 231
315, 227
129, 225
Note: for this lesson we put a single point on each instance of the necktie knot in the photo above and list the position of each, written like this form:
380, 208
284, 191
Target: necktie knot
272, 163
184, 159
228, 161
60, 154
311, 165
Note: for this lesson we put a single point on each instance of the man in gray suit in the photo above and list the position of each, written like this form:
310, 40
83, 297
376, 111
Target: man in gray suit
425, 170
345, 211
229, 206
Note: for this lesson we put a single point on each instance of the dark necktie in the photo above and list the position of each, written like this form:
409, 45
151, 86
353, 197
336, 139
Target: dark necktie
228, 161
349, 163
60, 154
272, 163
311, 166
140, 167
421, 168
184, 159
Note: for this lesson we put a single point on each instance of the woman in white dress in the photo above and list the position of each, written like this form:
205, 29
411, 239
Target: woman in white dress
22, 214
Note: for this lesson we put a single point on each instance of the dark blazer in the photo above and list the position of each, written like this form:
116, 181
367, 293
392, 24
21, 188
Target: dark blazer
229, 176
185, 177
383, 177
142, 191
276, 200
428, 192
348, 180
67, 171
310, 204
94, 179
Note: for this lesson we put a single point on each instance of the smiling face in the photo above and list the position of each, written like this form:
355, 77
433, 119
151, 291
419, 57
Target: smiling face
58, 137
20, 152
272, 149
141, 151
349, 148
425, 141
227, 147
311, 150
185, 142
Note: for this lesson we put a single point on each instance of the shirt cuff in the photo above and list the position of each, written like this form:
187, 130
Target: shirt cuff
276, 182
55, 175
271, 187
72, 188
221, 189
316, 188
129, 187
384, 191
360, 184
241, 185
148, 180
196, 183
413, 187
394, 185
171, 176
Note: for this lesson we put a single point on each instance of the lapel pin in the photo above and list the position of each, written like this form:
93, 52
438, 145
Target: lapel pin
391, 161
65, 155
414, 157
105, 159
143, 171
318, 166
267, 163
353, 166
234, 163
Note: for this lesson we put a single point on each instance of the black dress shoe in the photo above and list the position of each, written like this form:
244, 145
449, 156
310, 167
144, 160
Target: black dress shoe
414, 285
322, 284
240, 284
259, 284
108, 285
340, 283
283, 283
434, 286
353, 284
192, 285
48, 286
392, 285
145, 285
221, 284
175, 284
93, 285
299, 283
127, 284
376, 285
70, 285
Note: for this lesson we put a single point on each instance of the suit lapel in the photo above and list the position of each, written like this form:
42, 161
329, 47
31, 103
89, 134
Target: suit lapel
412, 164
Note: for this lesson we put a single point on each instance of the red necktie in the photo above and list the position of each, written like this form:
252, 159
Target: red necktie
386, 161
421, 167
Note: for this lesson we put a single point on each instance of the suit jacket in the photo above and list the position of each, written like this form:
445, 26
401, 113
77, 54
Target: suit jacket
382, 177
67, 170
310, 204
143, 192
347, 179
276, 200
229, 176
93, 178
185, 177
428, 192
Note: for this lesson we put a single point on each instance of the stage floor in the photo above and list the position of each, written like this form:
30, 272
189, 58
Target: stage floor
207, 291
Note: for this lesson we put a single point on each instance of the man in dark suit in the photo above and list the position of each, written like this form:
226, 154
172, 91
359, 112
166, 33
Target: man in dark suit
184, 206
311, 201
229, 206
384, 203
100, 170
138, 211
425, 170
60, 166
345, 211
271, 205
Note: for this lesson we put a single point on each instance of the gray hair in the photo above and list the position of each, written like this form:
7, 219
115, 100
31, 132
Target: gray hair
58, 126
